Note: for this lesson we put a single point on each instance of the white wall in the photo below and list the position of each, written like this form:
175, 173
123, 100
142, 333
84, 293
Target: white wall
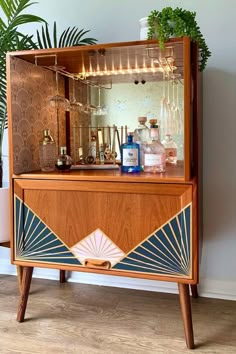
112, 21
5, 179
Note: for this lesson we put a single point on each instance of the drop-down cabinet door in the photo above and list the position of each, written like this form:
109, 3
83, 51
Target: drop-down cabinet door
133, 229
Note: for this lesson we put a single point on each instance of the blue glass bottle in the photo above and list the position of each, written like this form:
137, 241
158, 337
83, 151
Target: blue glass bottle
130, 156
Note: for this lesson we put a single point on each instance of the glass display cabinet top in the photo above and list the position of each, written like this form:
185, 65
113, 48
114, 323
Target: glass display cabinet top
108, 88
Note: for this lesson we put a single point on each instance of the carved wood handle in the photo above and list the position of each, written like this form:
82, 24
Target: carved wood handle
97, 263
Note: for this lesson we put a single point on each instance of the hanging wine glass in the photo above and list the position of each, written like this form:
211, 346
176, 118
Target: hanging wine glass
100, 110
75, 105
57, 101
174, 127
88, 107
171, 120
175, 103
179, 118
163, 107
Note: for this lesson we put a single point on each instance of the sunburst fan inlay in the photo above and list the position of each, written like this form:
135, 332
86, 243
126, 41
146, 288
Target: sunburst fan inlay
35, 241
166, 251
97, 246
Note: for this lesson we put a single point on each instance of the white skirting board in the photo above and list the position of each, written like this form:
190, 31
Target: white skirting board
218, 289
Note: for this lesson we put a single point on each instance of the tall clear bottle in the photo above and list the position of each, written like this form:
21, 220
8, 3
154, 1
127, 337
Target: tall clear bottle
130, 156
153, 124
170, 149
141, 137
47, 152
154, 154
142, 132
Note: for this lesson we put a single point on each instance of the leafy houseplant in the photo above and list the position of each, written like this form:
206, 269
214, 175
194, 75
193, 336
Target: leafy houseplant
12, 39
177, 22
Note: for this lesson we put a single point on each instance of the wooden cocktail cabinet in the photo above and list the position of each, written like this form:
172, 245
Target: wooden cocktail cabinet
93, 218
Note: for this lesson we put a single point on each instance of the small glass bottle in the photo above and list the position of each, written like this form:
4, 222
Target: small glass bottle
63, 161
142, 136
142, 132
154, 154
47, 152
170, 149
153, 124
130, 156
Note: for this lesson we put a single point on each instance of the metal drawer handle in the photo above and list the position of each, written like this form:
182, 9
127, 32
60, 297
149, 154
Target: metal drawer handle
97, 263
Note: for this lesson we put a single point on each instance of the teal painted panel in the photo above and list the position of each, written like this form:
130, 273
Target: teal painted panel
165, 252
36, 242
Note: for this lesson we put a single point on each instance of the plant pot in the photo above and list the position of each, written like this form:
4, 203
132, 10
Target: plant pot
4, 215
144, 27
1, 173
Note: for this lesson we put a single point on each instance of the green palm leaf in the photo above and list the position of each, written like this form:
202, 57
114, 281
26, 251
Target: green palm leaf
55, 34
13, 8
69, 37
63, 38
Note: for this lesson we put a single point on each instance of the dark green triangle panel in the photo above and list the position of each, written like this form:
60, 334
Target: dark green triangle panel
36, 242
165, 252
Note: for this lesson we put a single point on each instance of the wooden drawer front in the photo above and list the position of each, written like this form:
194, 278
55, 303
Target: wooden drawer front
145, 233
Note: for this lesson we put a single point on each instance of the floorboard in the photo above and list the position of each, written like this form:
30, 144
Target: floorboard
88, 319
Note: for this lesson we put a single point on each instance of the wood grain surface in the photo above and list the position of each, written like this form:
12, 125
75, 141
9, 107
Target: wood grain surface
87, 319
126, 213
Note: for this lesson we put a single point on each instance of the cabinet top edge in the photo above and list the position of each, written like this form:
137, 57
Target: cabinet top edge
101, 177
33, 52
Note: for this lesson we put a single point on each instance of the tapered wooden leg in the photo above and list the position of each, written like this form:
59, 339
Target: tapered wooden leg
25, 287
194, 291
186, 314
62, 276
19, 270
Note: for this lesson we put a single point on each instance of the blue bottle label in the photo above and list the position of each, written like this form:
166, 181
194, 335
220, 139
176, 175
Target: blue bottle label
130, 157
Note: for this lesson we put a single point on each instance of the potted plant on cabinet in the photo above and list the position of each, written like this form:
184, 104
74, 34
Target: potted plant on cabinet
177, 22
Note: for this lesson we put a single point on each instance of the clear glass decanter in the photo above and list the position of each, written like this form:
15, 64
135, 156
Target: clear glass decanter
154, 154
141, 137
47, 152
170, 149
142, 132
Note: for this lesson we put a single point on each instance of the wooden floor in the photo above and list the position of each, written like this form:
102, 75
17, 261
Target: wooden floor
86, 319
